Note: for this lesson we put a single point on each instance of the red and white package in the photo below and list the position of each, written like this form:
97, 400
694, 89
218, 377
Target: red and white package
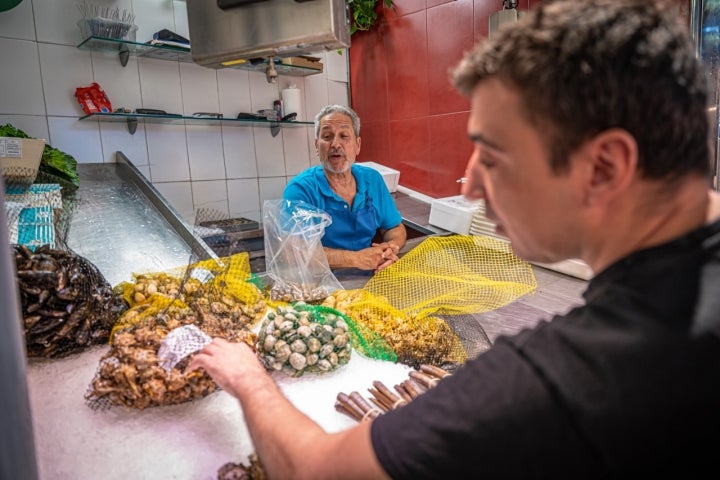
93, 99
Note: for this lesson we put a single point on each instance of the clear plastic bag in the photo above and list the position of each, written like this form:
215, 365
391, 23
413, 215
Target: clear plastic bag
294, 256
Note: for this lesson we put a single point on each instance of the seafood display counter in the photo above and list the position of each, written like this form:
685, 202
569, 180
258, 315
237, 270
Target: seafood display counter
123, 226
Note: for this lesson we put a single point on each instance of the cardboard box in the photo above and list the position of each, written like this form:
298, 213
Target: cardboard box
304, 62
454, 214
391, 176
20, 159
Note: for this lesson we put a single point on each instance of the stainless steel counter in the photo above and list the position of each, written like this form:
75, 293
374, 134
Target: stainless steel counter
122, 225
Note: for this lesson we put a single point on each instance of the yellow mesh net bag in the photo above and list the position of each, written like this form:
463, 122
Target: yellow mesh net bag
454, 274
415, 340
220, 286
443, 276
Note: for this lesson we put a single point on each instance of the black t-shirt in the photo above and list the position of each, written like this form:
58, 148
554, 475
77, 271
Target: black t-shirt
626, 385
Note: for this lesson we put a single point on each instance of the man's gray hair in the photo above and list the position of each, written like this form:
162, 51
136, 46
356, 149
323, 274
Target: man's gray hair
338, 109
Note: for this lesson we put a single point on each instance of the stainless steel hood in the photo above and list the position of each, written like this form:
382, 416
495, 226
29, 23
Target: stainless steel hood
224, 37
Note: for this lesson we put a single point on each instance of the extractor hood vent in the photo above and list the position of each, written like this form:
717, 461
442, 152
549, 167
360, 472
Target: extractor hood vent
224, 37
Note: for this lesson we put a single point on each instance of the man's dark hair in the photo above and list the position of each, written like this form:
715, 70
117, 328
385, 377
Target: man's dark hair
584, 66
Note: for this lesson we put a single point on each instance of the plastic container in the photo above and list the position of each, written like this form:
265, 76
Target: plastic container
106, 28
390, 175
454, 214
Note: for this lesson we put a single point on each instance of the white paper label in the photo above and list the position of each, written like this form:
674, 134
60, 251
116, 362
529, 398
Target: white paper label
10, 147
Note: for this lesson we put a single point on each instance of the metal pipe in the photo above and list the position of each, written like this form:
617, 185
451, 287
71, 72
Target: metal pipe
17, 441
696, 21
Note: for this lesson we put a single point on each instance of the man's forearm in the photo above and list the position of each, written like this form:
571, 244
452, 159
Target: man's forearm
396, 235
339, 258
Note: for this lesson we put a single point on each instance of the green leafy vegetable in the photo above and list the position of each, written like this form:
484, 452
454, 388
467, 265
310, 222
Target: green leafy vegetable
55, 164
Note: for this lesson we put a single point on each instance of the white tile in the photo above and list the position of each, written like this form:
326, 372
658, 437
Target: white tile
79, 139
56, 20
271, 188
262, 93
239, 152
64, 68
167, 152
199, 89
18, 22
116, 137
269, 153
338, 93
152, 16
33, 125
244, 198
337, 65
179, 196
321, 55
295, 150
180, 17
20, 81
160, 85
316, 95
205, 151
234, 91
121, 84
143, 168
212, 197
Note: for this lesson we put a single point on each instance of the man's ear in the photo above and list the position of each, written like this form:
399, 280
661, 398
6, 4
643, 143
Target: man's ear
613, 158
358, 145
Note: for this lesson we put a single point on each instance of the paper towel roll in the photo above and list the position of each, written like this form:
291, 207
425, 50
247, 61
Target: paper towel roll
292, 101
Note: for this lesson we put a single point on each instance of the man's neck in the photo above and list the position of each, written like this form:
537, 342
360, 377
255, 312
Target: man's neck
650, 216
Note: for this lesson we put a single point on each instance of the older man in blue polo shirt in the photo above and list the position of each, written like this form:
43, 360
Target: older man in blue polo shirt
355, 196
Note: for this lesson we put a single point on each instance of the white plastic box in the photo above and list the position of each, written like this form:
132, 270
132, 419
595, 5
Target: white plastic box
454, 214
390, 175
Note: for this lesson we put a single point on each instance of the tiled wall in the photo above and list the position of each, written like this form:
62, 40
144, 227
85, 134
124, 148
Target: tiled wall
413, 120
229, 169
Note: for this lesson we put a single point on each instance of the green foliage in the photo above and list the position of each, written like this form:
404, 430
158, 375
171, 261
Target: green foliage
364, 15
57, 165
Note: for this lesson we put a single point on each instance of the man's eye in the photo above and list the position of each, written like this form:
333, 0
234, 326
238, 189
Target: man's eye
487, 162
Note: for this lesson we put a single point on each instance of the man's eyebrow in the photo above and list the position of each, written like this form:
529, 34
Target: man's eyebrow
479, 138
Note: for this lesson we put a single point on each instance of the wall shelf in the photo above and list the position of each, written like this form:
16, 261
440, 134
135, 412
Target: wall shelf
132, 119
126, 48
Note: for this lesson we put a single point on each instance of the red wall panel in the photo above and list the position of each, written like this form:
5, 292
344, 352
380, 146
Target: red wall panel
413, 120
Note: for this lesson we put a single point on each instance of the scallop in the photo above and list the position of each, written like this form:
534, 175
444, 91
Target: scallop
304, 331
269, 343
270, 328
341, 340
298, 360
298, 346
312, 358
314, 344
324, 365
326, 350
282, 353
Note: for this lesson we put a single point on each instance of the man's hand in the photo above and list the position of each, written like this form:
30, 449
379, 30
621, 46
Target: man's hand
389, 254
231, 365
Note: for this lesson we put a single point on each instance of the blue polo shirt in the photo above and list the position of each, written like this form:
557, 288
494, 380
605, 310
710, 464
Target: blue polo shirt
372, 198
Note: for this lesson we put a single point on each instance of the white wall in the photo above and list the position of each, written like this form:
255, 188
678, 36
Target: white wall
229, 169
